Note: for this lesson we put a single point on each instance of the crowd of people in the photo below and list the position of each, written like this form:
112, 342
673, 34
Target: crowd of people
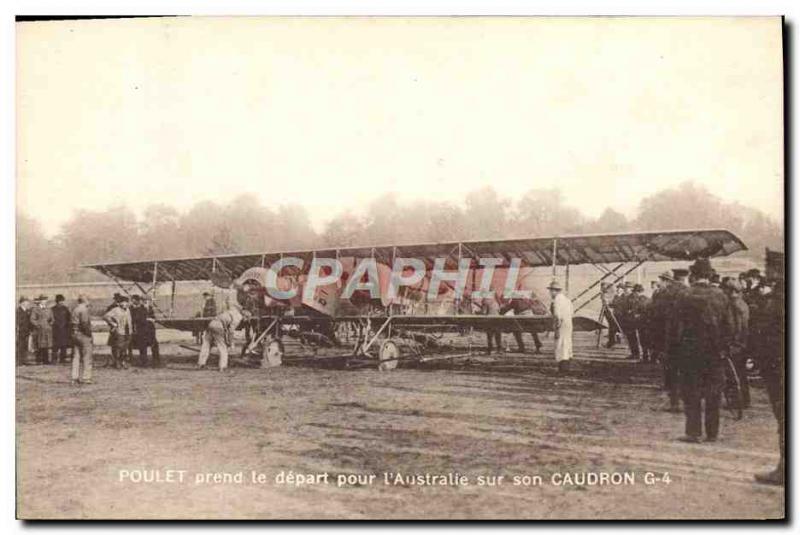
57, 333
696, 322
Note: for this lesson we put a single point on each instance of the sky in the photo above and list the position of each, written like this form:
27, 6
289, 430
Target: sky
331, 112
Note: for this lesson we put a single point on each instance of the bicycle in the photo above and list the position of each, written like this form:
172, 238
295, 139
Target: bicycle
732, 390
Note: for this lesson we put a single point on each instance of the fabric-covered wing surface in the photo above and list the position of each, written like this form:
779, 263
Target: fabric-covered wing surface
532, 252
503, 323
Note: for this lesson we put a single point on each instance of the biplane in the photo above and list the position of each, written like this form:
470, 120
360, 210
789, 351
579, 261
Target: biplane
377, 293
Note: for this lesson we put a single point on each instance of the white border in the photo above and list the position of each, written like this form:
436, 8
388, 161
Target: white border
788, 8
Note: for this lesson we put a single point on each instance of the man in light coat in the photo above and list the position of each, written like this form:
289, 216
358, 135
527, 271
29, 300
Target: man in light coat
42, 324
490, 306
220, 334
81, 322
120, 329
561, 309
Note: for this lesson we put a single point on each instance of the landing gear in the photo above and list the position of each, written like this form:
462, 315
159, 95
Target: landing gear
272, 353
389, 355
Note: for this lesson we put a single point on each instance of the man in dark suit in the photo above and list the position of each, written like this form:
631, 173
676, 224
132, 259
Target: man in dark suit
740, 336
144, 331
770, 325
668, 303
62, 327
523, 307
704, 327
23, 330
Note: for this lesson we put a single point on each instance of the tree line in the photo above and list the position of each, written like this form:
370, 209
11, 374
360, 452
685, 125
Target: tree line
245, 225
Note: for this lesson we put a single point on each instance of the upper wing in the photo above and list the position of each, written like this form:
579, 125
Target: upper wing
532, 252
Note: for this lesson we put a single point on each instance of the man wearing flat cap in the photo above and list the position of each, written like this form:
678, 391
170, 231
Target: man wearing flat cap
561, 309
42, 326
703, 324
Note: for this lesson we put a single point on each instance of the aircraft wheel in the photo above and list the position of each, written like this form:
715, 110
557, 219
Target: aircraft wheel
272, 355
389, 355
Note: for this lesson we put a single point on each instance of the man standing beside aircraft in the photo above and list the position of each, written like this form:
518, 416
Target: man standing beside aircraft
220, 334
144, 331
120, 329
522, 307
491, 307
561, 309
81, 323
620, 305
209, 305
608, 294
637, 308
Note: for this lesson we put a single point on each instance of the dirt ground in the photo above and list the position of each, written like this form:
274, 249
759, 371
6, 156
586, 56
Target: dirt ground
79, 448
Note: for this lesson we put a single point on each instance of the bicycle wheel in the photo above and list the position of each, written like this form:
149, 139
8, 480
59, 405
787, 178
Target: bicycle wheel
732, 392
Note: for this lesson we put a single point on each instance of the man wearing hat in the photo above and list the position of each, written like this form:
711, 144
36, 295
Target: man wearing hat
62, 336
656, 316
120, 329
703, 323
114, 301
209, 305
638, 334
623, 312
740, 334
23, 330
490, 306
608, 293
207, 310
220, 334
42, 326
561, 309
619, 306
144, 330
770, 356
751, 292
676, 286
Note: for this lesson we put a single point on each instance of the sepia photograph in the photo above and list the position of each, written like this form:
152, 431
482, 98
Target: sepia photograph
400, 268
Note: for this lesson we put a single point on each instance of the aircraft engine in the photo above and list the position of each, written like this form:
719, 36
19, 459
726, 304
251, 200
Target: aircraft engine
256, 279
